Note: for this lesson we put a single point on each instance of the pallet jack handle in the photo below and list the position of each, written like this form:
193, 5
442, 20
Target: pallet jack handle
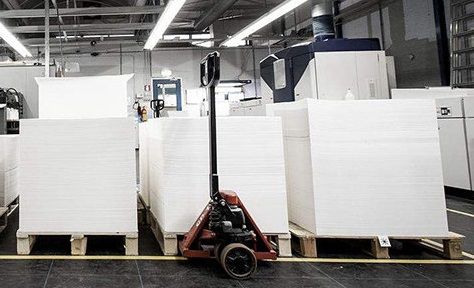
157, 105
210, 76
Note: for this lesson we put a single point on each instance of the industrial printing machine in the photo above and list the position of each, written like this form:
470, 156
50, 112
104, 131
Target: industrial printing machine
326, 70
11, 110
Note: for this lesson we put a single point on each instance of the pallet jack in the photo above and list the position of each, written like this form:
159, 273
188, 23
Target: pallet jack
157, 105
224, 230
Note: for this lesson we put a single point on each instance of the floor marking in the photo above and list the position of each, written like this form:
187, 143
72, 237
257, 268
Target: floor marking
91, 257
378, 261
282, 260
460, 213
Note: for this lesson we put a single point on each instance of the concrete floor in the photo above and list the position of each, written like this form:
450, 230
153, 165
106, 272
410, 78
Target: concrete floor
351, 270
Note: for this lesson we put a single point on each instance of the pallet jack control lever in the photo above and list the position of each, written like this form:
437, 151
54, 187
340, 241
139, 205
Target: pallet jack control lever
210, 76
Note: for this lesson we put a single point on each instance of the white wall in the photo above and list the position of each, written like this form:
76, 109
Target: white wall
22, 78
409, 34
235, 64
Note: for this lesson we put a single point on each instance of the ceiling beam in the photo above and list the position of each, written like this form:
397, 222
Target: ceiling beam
91, 11
13, 5
96, 27
213, 14
105, 11
138, 3
38, 42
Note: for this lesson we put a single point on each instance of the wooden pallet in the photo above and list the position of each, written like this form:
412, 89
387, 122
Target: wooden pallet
305, 244
169, 241
26, 241
3, 218
5, 211
141, 212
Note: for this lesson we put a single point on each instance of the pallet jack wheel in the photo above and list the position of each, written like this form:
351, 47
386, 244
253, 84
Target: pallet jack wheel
217, 251
238, 261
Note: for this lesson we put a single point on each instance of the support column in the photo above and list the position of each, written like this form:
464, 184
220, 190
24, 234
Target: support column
46, 38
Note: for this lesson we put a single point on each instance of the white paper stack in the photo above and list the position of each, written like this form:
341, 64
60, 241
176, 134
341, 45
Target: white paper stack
143, 162
9, 161
85, 97
250, 162
77, 176
364, 168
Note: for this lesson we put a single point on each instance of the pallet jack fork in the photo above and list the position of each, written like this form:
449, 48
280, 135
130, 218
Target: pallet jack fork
224, 230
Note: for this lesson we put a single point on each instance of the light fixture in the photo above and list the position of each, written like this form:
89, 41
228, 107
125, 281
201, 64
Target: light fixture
201, 42
176, 37
171, 10
275, 13
166, 73
13, 41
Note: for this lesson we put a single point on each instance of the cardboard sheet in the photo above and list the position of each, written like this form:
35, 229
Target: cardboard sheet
9, 162
250, 162
364, 168
77, 176
143, 162
85, 97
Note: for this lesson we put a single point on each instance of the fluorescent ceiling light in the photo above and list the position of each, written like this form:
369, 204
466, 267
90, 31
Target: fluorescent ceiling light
201, 36
171, 10
263, 21
13, 41
205, 44
176, 36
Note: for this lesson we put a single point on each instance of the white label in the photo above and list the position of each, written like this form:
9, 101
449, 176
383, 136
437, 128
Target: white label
279, 74
384, 241
372, 88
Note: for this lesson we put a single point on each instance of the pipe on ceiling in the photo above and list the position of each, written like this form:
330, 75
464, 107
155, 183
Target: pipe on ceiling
213, 14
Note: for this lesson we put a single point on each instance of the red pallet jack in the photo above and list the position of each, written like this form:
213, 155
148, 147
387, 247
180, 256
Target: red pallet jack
224, 230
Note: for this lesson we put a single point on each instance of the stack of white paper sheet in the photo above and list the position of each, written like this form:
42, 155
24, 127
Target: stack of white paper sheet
85, 97
364, 168
250, 162
143, 162
9, 161
77, 176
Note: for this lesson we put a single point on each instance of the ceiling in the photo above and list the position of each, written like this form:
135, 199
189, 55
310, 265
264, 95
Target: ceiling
128, 22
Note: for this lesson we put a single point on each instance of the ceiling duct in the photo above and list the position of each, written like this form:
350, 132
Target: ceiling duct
213, 14
323, 20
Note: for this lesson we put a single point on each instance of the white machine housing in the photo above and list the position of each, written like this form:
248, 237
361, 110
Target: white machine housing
455, 112
326, 70
331, 74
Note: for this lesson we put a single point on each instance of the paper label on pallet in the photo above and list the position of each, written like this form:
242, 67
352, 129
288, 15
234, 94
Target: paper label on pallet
384, 241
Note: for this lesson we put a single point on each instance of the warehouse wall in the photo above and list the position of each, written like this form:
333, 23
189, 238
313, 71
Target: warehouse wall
184, 63
410, 36
22, 78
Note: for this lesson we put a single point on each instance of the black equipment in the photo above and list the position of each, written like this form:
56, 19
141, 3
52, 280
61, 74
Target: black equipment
11, 110
157, 105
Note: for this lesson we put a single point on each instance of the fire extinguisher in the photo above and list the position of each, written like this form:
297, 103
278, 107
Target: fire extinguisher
144, 114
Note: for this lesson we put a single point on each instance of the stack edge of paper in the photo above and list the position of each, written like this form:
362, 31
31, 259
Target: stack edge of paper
9, 168
364, 168
250, 162
78, 176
